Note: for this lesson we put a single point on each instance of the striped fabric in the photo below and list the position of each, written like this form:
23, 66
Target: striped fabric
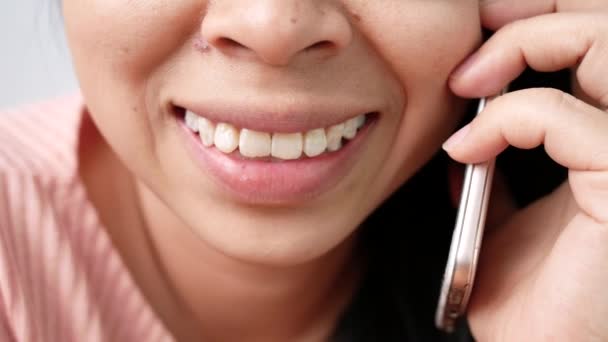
61, 280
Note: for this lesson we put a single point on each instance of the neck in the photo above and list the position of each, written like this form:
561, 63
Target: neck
226, 299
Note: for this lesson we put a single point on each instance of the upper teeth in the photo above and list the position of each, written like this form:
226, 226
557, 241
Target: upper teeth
287, 146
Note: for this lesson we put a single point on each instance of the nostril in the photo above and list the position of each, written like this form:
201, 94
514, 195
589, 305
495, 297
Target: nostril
225, 42
322, 45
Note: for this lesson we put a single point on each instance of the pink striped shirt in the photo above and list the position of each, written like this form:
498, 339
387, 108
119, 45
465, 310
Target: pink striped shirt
61, 279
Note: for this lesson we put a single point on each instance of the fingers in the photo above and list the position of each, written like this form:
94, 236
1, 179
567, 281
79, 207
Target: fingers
573, 133
497, 13
545, 43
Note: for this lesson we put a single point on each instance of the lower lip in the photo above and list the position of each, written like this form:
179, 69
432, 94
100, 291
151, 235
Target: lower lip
274, 182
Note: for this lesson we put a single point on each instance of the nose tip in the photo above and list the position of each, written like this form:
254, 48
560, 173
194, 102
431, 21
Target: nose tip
277, 31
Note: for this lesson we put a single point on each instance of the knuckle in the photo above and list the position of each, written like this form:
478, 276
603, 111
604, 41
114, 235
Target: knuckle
599, 161
518, 122
563, 101
550, 96
514, 27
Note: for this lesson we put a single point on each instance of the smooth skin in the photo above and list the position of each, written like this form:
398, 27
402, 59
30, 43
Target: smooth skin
543, 270
216, 269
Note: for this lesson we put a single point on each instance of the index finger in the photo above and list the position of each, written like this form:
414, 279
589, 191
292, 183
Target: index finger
545, 43
497, 13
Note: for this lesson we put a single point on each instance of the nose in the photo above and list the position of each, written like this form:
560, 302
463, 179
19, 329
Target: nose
276, 31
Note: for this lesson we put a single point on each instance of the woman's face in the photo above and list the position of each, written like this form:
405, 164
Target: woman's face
277, 68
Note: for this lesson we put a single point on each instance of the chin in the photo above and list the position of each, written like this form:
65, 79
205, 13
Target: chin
276, 237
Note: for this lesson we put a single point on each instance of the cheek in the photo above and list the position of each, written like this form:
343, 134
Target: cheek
422, 41
119, 50
129, 38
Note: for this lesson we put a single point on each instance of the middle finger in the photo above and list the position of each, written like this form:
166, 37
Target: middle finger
497, 13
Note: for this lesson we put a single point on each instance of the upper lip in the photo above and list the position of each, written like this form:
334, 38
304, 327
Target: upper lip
277, 117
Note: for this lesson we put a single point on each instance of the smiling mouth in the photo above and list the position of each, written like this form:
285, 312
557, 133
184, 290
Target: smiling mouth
257, 145
281, 162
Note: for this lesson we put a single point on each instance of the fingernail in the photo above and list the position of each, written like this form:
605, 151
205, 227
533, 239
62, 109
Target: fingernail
465, 66
456, 138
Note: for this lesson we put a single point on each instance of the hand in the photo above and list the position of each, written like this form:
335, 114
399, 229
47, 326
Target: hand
543, 274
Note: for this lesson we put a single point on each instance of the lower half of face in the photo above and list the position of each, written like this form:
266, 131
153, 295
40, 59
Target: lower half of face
271, 128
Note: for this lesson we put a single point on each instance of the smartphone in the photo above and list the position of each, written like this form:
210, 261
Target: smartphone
466, 240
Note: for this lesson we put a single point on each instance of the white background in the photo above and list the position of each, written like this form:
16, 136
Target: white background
34, 60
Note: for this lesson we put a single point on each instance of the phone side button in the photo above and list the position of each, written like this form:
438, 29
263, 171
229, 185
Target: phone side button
453, 312
456, 296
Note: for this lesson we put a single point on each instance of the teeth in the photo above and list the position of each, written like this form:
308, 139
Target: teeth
360, 121
350, 128
315, 142
226, 137
206, 130
287, 145
254, 144
191, 121
334, 137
